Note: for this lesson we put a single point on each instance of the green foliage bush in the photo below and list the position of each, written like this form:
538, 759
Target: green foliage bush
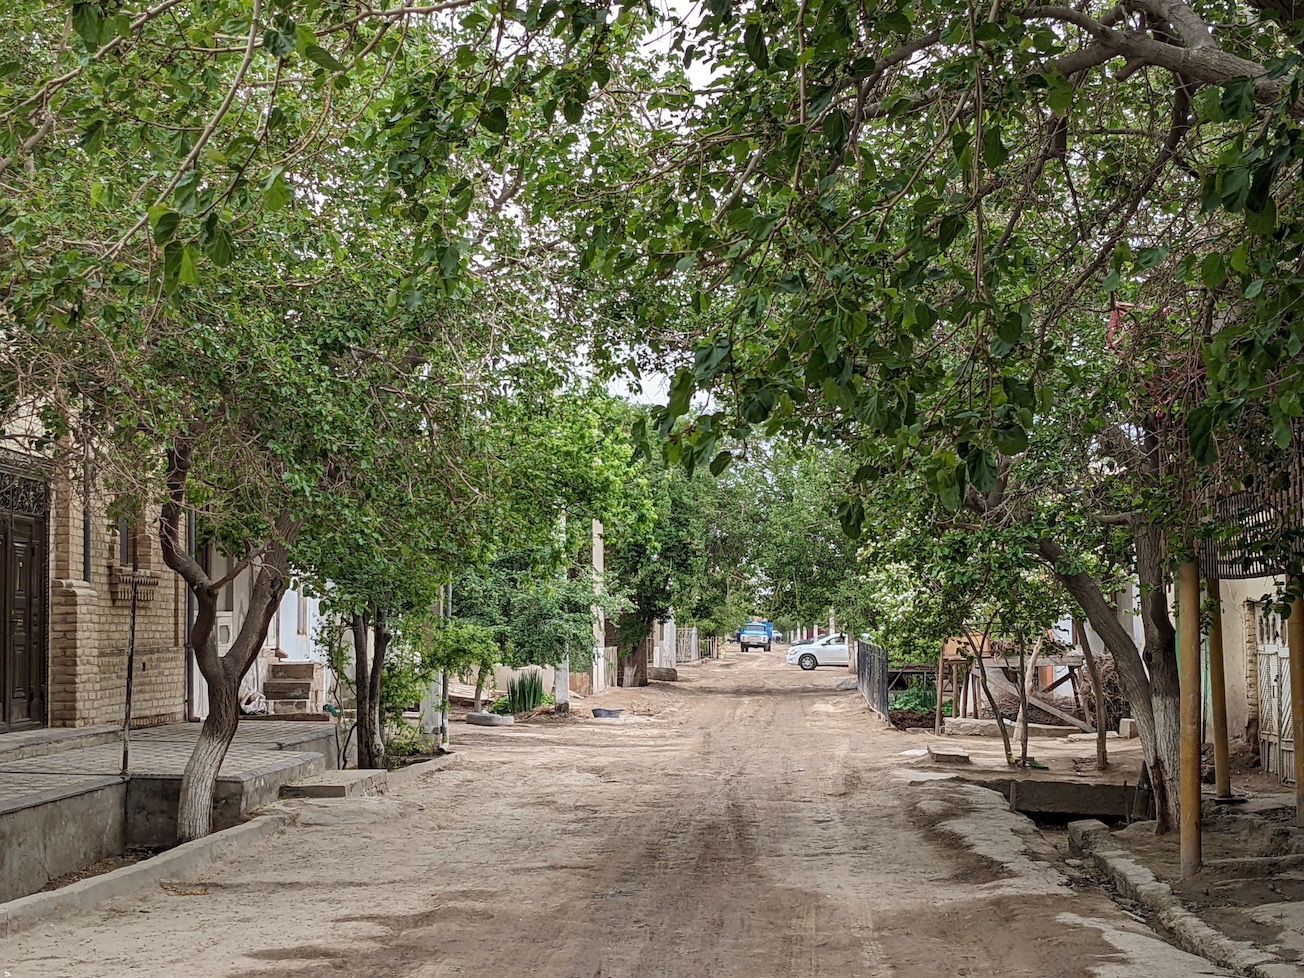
524, 693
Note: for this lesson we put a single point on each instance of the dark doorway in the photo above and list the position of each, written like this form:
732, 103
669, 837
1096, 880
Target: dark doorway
23, 660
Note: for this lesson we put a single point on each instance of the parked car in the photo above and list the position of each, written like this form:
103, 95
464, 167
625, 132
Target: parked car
831, 650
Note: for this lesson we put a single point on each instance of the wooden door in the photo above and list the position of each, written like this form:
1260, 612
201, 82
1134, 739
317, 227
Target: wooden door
23, 665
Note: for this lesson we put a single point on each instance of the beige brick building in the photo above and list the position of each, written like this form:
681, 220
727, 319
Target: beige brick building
67, 609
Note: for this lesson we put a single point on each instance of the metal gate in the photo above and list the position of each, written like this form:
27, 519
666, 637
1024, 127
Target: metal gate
1276, 721
872, 677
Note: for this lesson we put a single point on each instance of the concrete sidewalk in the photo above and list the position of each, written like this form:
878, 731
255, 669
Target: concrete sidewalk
65, 805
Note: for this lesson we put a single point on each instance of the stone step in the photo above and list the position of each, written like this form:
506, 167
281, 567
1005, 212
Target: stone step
288, 706
55, 740
338, 784
303, 671
287, 689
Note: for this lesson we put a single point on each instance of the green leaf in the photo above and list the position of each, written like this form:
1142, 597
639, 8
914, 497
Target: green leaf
1150, 257
1237, 100
1059, 93
851, 516
994, 150
1262, 222
187, 269
1113, 281
495, 120
1011, 440
947, 487
836, 124
721, 462
754, 43
278, 44
220, 248
164, 222
1199, 429
93, 136
981, 470
1282, 429
1011, 328
681, 393
1213, 270
319, 55
276, 192
87, 19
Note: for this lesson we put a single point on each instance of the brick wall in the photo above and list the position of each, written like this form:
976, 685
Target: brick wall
89, 625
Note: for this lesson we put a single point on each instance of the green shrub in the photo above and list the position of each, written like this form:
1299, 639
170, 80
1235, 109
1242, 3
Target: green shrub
524, 693
917, 697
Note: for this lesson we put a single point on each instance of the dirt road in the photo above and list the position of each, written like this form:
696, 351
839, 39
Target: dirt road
747, 821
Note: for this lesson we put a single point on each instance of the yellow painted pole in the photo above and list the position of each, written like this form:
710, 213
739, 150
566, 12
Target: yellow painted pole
1188, 640
1218, 694
1295, 636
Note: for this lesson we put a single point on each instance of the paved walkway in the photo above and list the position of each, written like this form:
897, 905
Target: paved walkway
748, 822
32, 770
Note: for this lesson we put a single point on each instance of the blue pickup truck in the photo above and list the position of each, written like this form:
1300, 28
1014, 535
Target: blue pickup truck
756, 635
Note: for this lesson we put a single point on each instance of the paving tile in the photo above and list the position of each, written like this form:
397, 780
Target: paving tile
23, 790
146, 759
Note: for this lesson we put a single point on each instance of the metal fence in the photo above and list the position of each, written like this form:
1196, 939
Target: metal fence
872, 676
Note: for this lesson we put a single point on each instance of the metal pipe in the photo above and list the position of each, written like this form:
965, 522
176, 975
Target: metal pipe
1295, 637
1188, 639
1218, 694
192, 612
131, 668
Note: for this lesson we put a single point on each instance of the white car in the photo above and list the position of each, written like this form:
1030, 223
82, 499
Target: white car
828, 651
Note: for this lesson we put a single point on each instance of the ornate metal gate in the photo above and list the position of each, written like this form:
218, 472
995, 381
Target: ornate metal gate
24, 593
1276, 721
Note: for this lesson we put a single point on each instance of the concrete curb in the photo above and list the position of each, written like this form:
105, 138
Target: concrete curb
405, 777
1092, 838
91, 894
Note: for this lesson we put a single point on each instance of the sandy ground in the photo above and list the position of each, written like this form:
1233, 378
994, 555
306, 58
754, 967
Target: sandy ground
747, 821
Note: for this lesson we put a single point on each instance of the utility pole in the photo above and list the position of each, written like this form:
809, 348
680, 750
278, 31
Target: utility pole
1188, 638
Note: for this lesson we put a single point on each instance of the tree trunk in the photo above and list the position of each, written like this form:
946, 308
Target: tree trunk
222, 673
1097, 694
633, 667
195, 811
443, 709
987, 691
1155, 713
480, 676
1027, 673
370, 673
362, 687
1160, 656
376, 734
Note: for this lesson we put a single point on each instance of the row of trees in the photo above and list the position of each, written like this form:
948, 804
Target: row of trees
278, 264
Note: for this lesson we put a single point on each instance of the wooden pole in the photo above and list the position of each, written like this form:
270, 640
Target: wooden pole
1188, 638
1218, 694
1295, 637
955, 689
941, 672
964, 691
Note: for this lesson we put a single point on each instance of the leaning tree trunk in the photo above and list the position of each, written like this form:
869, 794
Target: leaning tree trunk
195, 809
1154, 706
1097, 694
1027, 673
987, 692
222, 673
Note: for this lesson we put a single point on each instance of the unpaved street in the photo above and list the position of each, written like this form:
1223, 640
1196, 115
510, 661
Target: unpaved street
749, 821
